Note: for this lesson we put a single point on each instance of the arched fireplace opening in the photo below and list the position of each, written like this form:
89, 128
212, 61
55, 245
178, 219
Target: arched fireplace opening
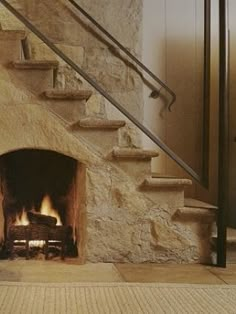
39, 203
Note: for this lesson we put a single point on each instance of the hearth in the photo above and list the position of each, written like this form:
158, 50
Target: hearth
38, 204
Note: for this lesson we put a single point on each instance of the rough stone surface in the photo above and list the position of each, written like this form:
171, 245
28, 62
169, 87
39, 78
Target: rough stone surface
8, 21
12, 34
122, 223
129, 137
95, 106
84, 44
37, 127
135, 228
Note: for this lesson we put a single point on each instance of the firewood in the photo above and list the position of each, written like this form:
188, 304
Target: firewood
37, 218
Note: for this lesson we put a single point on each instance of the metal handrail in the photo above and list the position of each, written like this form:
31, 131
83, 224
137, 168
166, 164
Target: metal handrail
206, 87
126, 51
206, 93
80, 71
223, 161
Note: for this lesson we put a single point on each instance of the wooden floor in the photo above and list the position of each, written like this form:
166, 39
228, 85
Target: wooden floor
69, 271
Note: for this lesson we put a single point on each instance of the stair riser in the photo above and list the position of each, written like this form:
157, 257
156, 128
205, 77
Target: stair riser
138, 169
35, 81
12, 51
171, 198
194, 217
70, 111
104, 140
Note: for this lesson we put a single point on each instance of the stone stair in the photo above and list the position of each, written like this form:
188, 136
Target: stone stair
12, 35
133, 154
100, 124
157, 183
162, 196
12, 40
67, 95
35, 64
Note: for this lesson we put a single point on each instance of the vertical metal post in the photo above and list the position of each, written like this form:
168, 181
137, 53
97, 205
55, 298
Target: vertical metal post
223, 171
206, 92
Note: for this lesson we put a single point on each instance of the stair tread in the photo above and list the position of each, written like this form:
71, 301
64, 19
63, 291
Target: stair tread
94, 123
68, 94
194, 214
198, 210
160, 175
133, 153
194, 203
165, 182
35, 64
12, 34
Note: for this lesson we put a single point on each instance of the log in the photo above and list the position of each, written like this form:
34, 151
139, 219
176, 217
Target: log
37, 218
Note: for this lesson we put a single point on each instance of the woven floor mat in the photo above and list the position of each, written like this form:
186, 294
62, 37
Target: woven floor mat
83, 298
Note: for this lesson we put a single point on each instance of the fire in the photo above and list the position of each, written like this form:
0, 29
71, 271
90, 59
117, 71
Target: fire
22, 219
47, 209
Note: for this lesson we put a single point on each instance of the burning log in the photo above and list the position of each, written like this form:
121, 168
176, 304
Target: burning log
37, 218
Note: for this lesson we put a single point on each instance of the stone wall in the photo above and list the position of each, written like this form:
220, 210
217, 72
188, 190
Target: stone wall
120, 222
88, 48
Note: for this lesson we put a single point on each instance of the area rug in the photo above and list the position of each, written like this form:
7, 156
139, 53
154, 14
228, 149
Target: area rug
112, 298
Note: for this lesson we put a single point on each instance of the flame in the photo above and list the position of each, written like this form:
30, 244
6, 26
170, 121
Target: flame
47, 209
22, 219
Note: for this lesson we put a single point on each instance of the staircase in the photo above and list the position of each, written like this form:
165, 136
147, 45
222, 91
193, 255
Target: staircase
147, 218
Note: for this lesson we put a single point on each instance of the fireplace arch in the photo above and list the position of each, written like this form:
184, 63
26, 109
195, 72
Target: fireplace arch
32, 126
39, 180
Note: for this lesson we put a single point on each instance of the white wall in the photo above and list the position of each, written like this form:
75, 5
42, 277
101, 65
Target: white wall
154, 56
173, 46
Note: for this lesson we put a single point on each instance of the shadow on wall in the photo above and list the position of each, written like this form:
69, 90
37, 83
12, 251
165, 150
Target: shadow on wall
182, 128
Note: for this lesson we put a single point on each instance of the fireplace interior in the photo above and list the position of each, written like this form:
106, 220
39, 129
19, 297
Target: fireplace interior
38, 204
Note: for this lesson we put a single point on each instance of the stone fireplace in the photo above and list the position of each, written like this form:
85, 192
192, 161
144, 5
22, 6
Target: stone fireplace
41, 171
113, 217
41, 182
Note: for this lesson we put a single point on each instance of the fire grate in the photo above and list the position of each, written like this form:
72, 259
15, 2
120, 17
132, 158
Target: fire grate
51, 235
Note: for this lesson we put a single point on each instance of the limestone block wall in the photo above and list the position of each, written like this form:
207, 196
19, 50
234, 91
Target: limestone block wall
89, 49
119, 222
